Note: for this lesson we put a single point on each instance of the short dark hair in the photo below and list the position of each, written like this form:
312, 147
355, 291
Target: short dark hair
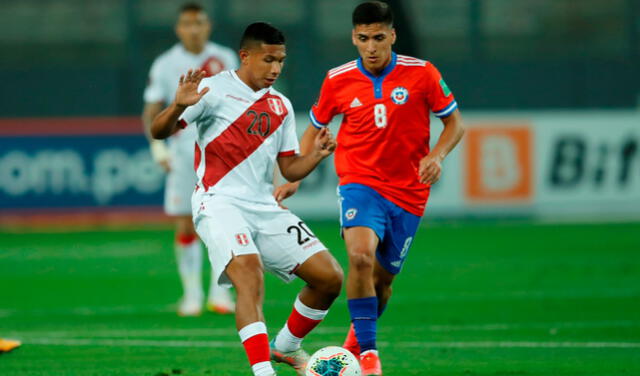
372, 12
191, 7
261, 32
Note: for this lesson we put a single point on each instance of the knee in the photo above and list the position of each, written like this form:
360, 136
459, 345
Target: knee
361, 260
328, 282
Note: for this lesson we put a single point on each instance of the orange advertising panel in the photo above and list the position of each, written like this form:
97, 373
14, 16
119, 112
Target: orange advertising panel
499, 163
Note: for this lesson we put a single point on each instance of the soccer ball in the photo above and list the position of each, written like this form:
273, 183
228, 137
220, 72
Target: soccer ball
333, 361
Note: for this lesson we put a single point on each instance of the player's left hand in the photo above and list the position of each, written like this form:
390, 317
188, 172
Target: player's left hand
285, 191
325, 144
430, 169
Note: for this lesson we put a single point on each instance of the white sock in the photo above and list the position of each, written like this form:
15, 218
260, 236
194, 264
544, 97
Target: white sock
189, 259
285, 340
263, 369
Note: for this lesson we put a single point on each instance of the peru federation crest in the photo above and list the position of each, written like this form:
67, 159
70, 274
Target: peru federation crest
276, 105
400, 95
212, 66
242, 239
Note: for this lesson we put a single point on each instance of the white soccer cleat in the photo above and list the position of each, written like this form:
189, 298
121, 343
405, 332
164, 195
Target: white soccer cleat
220, 300
297, 359
189, 307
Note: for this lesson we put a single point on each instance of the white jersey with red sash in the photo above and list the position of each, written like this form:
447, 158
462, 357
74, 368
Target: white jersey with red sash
241, 132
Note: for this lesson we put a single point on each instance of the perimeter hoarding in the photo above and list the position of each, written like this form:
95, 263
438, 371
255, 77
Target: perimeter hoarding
79, 163
543, 164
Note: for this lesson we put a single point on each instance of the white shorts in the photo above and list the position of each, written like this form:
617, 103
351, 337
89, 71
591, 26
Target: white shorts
181, 179
231, 227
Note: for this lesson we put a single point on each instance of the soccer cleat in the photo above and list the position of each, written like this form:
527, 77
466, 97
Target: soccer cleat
189, 307
220, 300
221, 308
7, 345
297, 359
351, 342
370, 363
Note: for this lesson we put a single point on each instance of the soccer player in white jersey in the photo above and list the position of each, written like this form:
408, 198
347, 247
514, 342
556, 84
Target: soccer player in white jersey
244, 128
194, 50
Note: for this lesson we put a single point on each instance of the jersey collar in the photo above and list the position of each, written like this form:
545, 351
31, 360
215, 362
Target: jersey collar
377, 80
258, 93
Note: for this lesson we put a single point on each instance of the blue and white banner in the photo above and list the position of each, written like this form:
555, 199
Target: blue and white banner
86, 163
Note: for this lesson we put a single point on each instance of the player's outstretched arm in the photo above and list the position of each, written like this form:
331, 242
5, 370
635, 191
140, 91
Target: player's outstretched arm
166, 122
296, 167
158, 148
431, 166
287, 190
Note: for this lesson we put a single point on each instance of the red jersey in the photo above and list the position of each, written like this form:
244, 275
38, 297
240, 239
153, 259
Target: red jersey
385, 129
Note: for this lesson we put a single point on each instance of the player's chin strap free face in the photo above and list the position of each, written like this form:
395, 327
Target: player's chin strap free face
374, 42
263, 64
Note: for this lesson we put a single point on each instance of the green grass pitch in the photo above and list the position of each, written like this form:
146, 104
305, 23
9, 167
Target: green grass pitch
473, 299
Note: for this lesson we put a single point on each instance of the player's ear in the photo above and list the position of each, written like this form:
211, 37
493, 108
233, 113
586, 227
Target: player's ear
353, 37
393, 35
244, 56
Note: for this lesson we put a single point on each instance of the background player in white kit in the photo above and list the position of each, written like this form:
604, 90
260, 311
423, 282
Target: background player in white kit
244, 128
194, 51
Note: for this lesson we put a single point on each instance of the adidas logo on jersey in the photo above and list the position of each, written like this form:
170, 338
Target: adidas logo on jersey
356, 102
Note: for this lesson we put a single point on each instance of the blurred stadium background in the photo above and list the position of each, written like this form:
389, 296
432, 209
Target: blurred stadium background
528, 260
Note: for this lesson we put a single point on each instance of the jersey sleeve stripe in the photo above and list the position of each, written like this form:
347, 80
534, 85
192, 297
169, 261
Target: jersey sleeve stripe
409, 59
411, 64
333, 70
447, 110
287, 153
315, 121
354, 66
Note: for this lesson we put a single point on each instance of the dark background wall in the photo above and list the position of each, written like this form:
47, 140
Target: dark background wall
78, 57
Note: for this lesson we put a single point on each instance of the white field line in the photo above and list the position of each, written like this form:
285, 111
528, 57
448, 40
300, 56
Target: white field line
231, 332
423, 345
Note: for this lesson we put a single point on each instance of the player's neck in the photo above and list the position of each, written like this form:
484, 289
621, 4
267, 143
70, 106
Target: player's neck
196, 50
378, 71
243, 75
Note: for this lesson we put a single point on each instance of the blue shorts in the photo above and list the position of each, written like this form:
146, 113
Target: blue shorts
395, 227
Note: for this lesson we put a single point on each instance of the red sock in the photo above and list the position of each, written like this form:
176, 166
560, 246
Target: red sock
185, 239
300, 325
303, 319
255, 342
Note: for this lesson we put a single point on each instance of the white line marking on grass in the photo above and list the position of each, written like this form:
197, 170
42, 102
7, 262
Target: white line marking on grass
229, 344
512, 345
226, 332
90, 311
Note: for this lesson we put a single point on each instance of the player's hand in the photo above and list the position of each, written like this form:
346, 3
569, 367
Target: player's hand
187, 93
430, 169
160, 154
285, 191
324, 144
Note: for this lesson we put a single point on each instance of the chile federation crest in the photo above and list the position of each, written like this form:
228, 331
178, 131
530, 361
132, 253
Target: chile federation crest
400, 95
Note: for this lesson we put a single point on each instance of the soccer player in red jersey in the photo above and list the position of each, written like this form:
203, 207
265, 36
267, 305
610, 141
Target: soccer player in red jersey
383, 162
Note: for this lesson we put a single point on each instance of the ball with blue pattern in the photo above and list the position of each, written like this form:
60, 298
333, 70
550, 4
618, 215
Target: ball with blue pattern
333, 361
